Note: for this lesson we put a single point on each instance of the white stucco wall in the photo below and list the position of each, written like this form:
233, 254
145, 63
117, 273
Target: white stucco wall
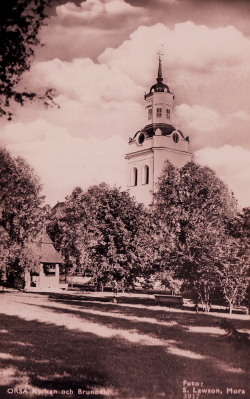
43, 282
154, 152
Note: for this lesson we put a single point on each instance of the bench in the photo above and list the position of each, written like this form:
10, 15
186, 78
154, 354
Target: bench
170, 300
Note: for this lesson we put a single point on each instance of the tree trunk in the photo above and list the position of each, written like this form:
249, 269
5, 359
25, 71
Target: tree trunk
230, 308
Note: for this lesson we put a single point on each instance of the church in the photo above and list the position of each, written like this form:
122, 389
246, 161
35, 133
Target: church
157, 142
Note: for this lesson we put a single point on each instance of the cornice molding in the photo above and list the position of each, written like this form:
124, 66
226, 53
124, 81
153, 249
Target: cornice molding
172, 150
140, 153
151, 150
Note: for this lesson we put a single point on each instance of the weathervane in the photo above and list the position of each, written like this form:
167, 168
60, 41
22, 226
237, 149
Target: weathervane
160, 53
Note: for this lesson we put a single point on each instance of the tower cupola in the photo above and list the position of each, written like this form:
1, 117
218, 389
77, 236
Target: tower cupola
159, 106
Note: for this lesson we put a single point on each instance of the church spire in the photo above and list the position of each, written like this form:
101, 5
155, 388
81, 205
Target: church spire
159, 68
159, 86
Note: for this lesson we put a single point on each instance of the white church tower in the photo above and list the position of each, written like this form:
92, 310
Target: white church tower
156, 142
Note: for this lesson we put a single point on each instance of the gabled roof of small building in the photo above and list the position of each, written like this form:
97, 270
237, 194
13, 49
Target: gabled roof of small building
48, 252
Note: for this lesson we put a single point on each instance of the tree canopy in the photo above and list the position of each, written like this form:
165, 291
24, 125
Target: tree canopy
107, 232
234, 270
20, 22
21, 214
197, 210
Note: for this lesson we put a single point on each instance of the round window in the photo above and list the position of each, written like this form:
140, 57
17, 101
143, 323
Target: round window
141, 138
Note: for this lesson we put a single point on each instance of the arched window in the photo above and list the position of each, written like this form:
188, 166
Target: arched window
145, 174
150, 113
134, 177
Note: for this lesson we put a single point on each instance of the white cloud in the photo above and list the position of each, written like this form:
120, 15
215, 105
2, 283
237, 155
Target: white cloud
206, 48
98, 14
63, 161
209, 128
104, 99
187, 46
83, 80
120, 7
209, 67
199, 118
94, 99
85, 30
198, 62
110, 118
232, 164
136, 57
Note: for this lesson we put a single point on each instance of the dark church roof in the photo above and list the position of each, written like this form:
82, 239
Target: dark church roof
166, 129
150, 130
47, 249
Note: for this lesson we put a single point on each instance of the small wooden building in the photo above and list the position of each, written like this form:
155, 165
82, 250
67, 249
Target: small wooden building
47, 279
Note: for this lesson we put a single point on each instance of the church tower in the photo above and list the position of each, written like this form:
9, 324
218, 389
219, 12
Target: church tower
156, 142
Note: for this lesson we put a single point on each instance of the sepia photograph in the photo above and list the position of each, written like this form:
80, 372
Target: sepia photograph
125, 199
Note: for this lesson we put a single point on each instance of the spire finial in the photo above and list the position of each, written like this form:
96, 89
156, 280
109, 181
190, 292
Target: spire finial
160, 67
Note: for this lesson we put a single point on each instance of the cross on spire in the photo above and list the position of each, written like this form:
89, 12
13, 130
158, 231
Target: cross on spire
160, 53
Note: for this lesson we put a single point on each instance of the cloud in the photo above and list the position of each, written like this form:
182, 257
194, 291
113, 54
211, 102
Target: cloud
210, 128
232, 164
98, 14
196, 48
199, 118
95, 100
82, 79
208, 48
63, 161
104, 99
85, 29
211, 13
209, 67
136, 57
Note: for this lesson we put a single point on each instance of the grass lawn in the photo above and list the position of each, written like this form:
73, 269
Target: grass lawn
91, 347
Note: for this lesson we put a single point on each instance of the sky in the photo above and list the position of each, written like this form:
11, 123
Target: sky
100, 57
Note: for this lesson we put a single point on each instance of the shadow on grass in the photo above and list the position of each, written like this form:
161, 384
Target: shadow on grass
127, 299
49, 356
152, 310
43, 356
193, 335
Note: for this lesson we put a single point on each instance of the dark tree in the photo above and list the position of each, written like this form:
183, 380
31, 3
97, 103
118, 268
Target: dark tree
20, 22
21, 214
104, 230
195, 209
234, 270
